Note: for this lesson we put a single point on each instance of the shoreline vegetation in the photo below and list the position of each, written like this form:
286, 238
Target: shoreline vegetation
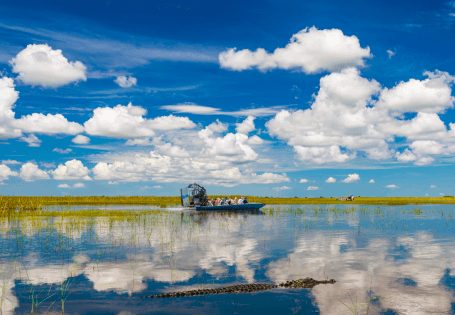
27, 203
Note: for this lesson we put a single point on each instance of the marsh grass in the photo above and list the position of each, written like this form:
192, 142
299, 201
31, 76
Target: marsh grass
65, 292
25, 204
387, 201
357, 306
74, 222
34, 296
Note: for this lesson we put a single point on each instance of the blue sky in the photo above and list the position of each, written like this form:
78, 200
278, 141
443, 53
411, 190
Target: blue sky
292, 98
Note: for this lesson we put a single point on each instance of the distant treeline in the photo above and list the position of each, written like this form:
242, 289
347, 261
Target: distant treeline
23, 203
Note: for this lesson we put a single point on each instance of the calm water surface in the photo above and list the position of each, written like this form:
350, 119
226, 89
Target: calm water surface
401, 258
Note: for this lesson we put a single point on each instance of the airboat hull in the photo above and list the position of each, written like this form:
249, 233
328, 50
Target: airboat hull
245, 206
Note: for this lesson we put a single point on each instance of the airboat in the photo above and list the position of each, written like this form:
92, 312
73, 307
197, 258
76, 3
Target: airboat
195, 197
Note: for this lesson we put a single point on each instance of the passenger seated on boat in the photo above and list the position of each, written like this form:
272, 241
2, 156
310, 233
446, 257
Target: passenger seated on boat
240, 201
243, 201
235, 201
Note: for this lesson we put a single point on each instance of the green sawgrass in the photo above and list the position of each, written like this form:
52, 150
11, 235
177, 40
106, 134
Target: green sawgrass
25, 204
386, 201
81, 213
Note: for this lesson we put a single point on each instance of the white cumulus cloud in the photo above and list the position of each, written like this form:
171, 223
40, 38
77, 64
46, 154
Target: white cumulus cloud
246, 126
145, 142
171, 122
424, 160
330, 180
432, 95
303, 180
66, 151
140, 169
32, 140
321, 155
282, 188
80, 139
352, 178
40, 65
47, 124
406, 156
266, 178
371, 181
8, 96
421, 147
33, 123
217, 126
119, 122
30, 172
231, 147
432, 186
125, 82
310, 50
391, 186
254, 140
339, 117
71, 170
6, 172
127, 122
77, 185
164, 169
12, 162
171, 150
161, 147
345, 119
312, 188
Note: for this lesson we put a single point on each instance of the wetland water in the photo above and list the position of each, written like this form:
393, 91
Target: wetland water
102, 265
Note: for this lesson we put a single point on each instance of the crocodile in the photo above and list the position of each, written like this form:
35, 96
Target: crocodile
306, 283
